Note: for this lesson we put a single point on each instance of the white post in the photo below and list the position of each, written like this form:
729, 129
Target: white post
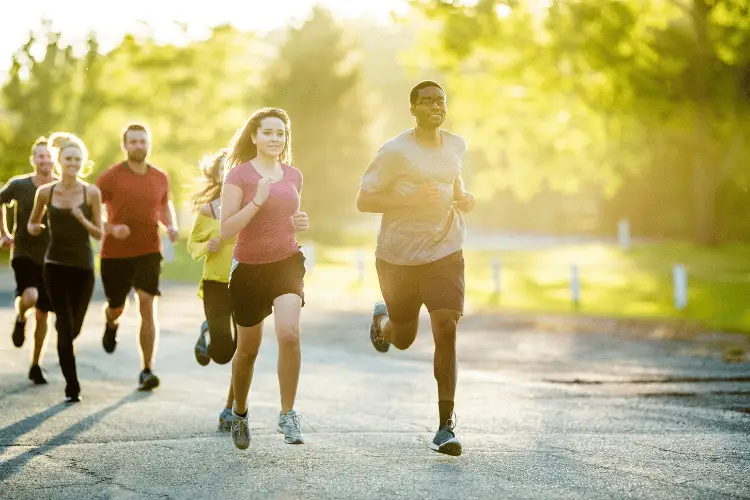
167, 249
575, 285
308, 251
623, 233
360, 265
496, 275
679, 274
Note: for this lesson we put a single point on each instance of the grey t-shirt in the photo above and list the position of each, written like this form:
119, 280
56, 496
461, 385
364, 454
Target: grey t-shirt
21, 192
417, 236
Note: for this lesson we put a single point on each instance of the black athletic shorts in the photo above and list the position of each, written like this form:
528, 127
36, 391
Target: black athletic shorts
437, 285
120, 275
29, 274
254, 287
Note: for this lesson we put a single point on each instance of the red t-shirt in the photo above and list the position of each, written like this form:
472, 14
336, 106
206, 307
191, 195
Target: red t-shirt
137, 201
269, 237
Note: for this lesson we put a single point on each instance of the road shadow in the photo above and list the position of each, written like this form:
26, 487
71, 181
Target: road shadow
11, 467
9, 435
6, 393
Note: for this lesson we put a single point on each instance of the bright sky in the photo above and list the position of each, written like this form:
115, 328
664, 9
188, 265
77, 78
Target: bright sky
112, 19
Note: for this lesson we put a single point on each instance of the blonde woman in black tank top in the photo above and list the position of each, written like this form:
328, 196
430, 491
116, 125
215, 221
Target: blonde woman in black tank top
73, 210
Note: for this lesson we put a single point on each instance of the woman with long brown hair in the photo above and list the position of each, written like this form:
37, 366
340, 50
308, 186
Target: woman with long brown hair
260, 204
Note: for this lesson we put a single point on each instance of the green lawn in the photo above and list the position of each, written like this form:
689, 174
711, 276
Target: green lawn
633, 284
624, 284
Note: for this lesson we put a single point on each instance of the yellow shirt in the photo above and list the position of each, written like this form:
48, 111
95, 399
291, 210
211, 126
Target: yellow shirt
217, 265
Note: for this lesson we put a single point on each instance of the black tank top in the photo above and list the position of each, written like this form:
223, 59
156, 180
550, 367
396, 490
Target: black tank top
69, 243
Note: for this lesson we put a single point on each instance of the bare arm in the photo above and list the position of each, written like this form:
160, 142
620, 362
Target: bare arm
169, 216
35, 226
234, 216
93, 226
463, 199
458, 187
4, 229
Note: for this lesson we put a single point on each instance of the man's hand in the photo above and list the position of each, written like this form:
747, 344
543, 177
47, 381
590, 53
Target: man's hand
213, 245
300, 222
173, 233
6, 241
120, 231
426, 196
35, 229
465, 203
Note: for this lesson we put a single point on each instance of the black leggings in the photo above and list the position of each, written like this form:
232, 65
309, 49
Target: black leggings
70, 289
217, 305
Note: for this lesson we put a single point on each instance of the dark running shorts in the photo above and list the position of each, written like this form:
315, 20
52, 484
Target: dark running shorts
120, 275
254, 287
29, 274
437, 285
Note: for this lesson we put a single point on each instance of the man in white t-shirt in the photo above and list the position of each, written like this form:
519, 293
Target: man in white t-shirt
415, 182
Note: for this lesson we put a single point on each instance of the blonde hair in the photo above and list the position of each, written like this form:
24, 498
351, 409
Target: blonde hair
211, 167
61, 140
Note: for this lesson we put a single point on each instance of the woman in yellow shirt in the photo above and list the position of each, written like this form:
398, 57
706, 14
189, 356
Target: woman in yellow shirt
205, 241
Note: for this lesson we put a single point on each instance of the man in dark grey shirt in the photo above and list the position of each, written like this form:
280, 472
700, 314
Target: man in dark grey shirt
28, 252
415, 182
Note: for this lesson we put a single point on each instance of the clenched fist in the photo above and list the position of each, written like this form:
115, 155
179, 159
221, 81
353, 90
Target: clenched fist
300, 222
213, 245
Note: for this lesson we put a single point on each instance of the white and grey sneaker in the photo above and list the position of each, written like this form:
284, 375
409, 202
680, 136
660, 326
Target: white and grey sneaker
226, 417
379, 312
288, 425
445, 440
240, 431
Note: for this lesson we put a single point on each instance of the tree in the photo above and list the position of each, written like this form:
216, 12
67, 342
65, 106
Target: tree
632, 79
316, 79
35, 102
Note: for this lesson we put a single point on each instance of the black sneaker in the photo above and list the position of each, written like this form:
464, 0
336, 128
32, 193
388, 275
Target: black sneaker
376, 335
72, 393
445, 440
201, 347
19, 333
109, 341
36, 375
147, 381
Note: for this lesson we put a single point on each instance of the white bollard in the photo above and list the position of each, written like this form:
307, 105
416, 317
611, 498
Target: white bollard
575, 285
679, 275
623, 233
496, 275
360, 265
167, 249
309, 252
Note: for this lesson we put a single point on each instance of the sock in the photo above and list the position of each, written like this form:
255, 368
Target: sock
446, 410
241, 415
147, 370
21, 320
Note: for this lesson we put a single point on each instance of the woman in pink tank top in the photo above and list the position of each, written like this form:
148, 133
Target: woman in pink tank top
260, 204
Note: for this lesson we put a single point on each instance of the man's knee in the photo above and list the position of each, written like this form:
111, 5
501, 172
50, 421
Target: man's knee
30, 296
145, 302
444, 330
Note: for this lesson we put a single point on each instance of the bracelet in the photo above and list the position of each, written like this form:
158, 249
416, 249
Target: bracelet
253, 202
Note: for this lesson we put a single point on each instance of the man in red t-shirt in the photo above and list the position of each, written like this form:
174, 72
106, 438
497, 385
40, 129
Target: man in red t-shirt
136, 197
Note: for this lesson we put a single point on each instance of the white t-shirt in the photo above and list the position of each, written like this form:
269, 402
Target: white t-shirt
410, 236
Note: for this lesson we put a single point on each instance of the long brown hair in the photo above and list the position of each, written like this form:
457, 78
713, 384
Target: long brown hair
242, 148
211, 169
